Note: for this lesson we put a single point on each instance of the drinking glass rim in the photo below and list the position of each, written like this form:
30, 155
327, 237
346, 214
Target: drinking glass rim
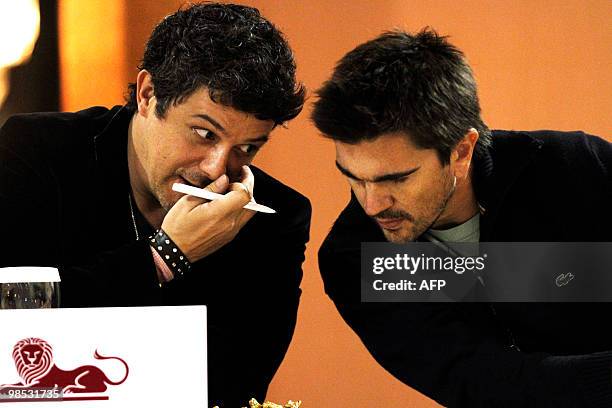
29, 274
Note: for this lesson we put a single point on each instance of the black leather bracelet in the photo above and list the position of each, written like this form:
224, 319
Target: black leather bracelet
170, 253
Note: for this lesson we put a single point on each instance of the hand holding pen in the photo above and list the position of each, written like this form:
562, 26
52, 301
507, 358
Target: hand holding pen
200, 227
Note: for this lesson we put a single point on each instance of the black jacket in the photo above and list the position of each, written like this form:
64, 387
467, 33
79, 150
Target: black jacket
534, 186
64, 201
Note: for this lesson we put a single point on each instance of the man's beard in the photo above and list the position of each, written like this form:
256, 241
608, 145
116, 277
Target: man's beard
418, 227
163, 197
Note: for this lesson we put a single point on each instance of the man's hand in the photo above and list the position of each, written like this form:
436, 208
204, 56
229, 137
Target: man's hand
199, 227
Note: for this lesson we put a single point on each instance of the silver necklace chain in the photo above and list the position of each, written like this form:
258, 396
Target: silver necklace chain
133, 218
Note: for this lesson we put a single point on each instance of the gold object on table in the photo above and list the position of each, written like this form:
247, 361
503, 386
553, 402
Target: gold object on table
254, 404
290, 404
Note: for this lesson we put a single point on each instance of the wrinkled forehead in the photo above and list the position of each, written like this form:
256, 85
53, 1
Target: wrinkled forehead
223, 119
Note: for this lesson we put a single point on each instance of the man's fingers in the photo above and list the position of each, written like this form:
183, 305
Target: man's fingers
188, 203
219, 185
248, 179
241, 189
245, 216
246, 184
239, 194
231, 202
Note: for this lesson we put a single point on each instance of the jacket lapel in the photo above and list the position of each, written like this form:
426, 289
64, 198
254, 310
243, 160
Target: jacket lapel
112, 174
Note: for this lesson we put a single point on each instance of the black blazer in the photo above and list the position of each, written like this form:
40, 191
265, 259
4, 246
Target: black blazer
64, 202
534, 186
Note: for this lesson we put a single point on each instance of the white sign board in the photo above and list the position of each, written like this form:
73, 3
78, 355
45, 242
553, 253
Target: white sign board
104, 357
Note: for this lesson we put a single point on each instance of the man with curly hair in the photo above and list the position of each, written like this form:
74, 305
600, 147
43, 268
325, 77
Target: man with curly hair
91, 192
403, 112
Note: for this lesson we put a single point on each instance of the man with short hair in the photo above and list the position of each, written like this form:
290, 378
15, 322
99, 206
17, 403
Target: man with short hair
404, 115
91, 193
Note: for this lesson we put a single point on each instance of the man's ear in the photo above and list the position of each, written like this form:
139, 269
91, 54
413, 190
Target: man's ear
461, 156
145, 94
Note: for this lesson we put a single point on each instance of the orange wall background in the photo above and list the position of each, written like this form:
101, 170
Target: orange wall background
539, 64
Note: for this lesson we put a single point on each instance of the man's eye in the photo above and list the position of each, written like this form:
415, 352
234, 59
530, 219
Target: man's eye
248, 149
205, 134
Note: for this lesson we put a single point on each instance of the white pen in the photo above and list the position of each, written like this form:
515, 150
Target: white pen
209, 195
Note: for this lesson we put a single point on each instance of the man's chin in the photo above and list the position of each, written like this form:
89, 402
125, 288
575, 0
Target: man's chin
399, 236
167, 201
407, 233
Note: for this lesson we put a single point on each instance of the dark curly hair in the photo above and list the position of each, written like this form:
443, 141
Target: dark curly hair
418, 84
239, 56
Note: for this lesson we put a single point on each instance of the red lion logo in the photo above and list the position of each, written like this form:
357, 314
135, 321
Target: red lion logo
34, 361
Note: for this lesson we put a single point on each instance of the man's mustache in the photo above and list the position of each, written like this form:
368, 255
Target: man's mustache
390, 213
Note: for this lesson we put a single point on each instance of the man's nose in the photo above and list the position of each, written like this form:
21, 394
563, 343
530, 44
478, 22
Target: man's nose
376, 199
214, 163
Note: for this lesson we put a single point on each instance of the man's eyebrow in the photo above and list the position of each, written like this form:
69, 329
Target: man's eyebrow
378, 179
210, 120
217, 125
263, 139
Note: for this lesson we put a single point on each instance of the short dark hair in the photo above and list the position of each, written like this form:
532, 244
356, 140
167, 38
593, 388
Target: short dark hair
242, 58
414, 83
